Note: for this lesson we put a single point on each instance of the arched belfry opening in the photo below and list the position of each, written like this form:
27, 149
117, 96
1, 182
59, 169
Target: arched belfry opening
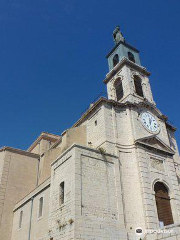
163, 204
118, 88
115, 60
131, 57
138, 86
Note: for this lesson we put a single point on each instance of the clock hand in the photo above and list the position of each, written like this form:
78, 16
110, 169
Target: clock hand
150, 120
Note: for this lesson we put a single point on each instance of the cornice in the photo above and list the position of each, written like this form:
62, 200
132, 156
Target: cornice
56, 143
42, 187
142, 142
124, 61
46, 136
173, 128
19, 151
123, 43
75, 145
102, 100
147, 104
95, 106
147, 146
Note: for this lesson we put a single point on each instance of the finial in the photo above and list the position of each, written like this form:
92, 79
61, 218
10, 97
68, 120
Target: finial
117, 35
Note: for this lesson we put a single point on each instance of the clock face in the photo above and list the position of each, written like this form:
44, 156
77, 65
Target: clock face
149, 121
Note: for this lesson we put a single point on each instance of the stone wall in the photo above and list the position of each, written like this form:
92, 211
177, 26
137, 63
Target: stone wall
19, 177
92, 196
33, 226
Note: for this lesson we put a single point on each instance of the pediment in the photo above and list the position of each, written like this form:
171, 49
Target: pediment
155, 143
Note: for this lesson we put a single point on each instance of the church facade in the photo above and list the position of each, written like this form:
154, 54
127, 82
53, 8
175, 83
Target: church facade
113, 175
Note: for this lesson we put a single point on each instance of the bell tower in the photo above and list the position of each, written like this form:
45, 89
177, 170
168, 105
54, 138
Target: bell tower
127, 80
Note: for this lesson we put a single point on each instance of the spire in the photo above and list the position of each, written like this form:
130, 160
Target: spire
118, 36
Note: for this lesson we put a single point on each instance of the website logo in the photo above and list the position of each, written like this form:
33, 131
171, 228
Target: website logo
139, 231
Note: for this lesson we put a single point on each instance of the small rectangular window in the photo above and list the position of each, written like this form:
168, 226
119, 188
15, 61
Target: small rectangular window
20, 219
61, 193
40, 213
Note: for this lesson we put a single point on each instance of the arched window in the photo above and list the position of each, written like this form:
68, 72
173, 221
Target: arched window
20, 219
119, 89
40, 213
138, 86
163, 204
115, 60
131, 57
61, 193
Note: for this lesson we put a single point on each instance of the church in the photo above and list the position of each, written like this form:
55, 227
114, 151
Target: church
114, 175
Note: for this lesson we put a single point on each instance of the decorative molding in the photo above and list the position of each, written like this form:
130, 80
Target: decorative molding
164, 149
135, 73
124, 61
157, 164
19, 151
125, 44
80, 147
46, 136
33, 194
102, 100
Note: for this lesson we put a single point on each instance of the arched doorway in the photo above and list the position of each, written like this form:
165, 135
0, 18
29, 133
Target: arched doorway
163, 204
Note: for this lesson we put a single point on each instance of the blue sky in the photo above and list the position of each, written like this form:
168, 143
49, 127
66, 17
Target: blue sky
52, 59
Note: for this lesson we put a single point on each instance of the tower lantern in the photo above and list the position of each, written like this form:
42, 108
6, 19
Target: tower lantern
121, 49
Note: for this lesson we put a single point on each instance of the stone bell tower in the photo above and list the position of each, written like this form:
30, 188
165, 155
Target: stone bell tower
145, 145
127, 80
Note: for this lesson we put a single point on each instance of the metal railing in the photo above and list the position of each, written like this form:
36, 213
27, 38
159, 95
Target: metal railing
102, 94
